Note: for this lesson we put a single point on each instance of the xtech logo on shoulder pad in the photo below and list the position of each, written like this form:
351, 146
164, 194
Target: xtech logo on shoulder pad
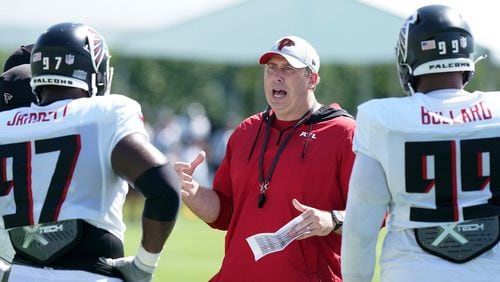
460, 242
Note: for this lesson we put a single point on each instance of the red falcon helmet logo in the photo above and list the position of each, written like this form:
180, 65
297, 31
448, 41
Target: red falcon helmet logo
98, 48
7, 97
285, 42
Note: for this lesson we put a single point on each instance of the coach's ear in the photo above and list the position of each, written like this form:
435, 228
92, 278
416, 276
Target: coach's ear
313, 79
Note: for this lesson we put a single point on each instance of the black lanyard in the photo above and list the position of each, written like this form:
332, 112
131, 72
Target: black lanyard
264, 182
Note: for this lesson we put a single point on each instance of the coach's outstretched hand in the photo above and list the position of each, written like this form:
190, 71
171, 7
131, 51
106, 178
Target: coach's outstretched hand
185, 172
131, 269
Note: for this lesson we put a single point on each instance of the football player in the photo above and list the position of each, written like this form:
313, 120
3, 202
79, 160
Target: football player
430, 161
70, 159
15, 92
20, 56
15, 89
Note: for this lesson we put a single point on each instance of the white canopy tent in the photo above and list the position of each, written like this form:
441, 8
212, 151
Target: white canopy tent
343, 31
232, 31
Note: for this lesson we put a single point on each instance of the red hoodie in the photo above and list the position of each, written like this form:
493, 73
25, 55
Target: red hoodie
314, 168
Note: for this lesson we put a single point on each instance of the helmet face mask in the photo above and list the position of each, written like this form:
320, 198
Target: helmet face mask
71, 55
404, 69
435, 39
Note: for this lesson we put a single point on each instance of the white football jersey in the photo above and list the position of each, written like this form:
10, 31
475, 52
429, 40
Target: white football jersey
55, 161
439, 153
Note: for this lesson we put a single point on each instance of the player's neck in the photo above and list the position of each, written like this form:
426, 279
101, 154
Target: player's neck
55, 93
431, 82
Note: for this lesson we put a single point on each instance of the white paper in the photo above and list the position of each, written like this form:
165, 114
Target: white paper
265, 243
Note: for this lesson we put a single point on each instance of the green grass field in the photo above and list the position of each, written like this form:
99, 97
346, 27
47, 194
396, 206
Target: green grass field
193, 253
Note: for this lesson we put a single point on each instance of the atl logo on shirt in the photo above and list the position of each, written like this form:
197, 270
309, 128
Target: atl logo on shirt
309, 135
475, 113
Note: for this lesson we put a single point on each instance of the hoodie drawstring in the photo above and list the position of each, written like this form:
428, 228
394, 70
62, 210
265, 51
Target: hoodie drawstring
265, 117
308, 135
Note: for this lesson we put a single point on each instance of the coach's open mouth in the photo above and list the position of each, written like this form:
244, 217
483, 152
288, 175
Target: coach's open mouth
279, 93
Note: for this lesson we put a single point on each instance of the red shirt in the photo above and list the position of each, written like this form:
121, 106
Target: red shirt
316, 173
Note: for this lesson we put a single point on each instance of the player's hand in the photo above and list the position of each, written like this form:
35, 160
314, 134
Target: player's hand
131, 269
185, 171
317, 222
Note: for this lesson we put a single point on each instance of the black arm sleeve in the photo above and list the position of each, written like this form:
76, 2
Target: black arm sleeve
162, 200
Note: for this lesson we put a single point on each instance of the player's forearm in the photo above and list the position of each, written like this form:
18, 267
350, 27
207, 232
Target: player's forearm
356, 278
358, 256
359, 239
366, 207
155, 233
205, 204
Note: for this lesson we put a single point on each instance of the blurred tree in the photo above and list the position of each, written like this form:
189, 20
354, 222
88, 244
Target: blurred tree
229, 91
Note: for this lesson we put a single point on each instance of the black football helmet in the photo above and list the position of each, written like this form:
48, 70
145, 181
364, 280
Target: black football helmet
434, 39
15, 89
21, 56
71, 55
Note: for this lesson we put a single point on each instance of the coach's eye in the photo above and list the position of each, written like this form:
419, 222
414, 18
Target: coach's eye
271, 67
289, 69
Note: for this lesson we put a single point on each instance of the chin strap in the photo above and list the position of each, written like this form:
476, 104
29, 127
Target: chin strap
480, 58
410, 90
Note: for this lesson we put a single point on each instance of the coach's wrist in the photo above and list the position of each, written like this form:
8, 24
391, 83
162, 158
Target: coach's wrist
337, 219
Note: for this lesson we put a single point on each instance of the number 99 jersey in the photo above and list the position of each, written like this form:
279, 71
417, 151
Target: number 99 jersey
55, 161
440, 152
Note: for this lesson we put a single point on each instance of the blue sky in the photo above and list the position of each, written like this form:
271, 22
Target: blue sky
122, 14
482, 16
151, 14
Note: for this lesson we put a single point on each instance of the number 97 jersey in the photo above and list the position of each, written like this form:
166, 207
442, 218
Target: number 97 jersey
440, 153
55, 161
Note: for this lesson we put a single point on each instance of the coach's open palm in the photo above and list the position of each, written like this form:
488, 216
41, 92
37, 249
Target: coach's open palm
185, 171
